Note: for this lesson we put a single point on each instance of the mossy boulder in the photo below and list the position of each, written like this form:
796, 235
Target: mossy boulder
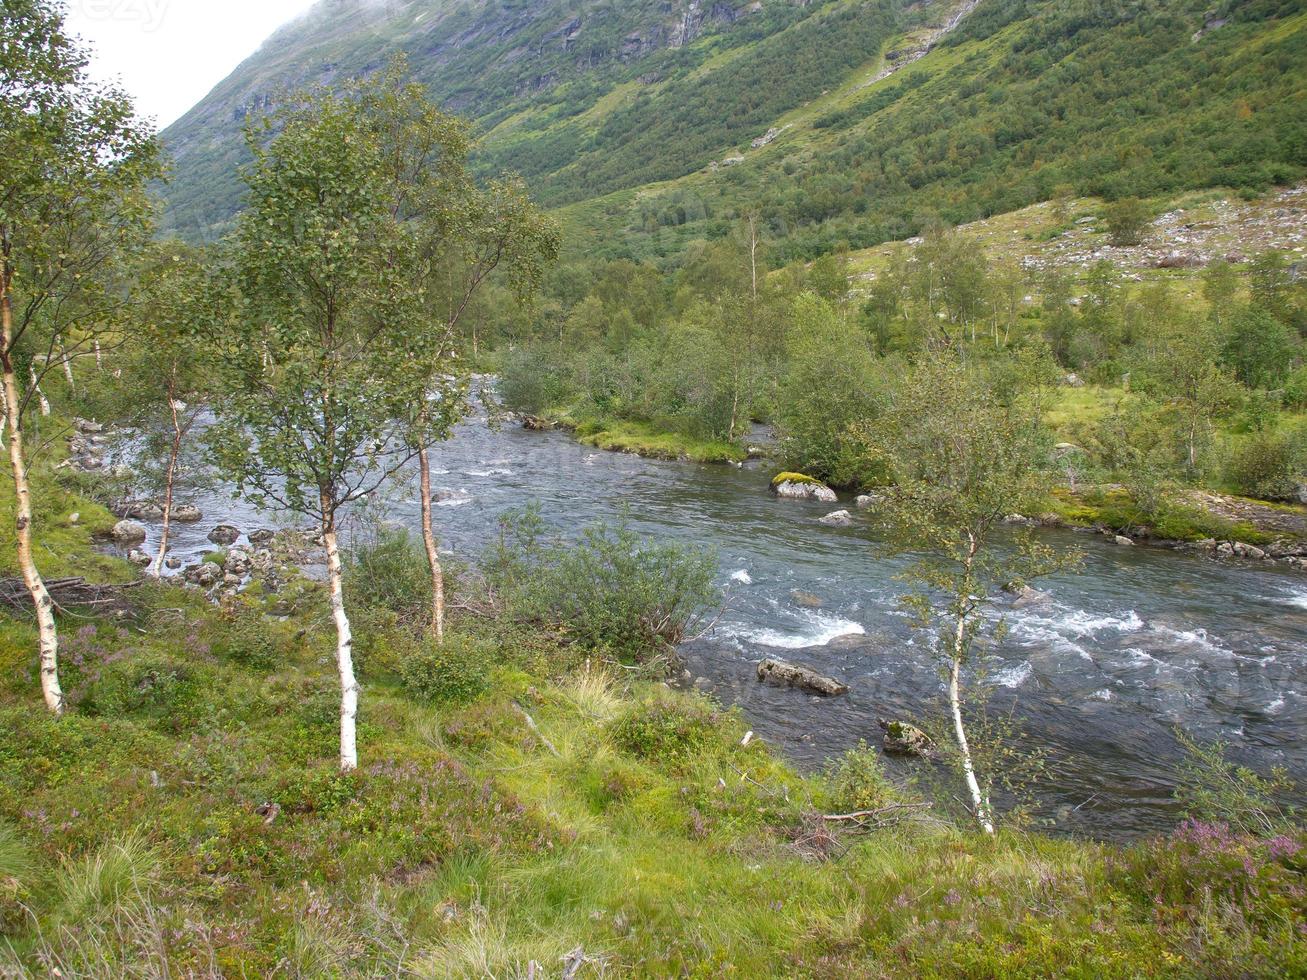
800, 486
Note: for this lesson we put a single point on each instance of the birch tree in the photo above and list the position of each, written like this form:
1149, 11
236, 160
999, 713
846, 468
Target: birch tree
320, 378
74, 163
166, 367
962, 455
454, 235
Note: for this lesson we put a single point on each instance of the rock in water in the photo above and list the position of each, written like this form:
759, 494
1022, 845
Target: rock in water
797, 486
902, 738
187, 514
128, 532
1028, 597
224, 534
837, 518
796, 675
534, 423
143, 510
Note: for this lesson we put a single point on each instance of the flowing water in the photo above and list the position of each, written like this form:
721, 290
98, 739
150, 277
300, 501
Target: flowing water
1140, 642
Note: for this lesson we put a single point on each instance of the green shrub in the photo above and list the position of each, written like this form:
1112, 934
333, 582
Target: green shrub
610, 589
248, 641
531, 380
386, 570
1213, 789
670, 729
453, 672
1269, 465
857, 781
1127, 220
151, 685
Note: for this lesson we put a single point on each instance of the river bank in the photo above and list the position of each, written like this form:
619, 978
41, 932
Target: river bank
1144, 640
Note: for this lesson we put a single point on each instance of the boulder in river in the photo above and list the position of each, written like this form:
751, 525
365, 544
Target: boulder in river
187, 514
138, 557
868, 500
836, 518
806, 599
534, 423
143, 510
1122, 540
128, 532
1027, 597
796, 675
224, 534
262, 536
798, 486
902, 738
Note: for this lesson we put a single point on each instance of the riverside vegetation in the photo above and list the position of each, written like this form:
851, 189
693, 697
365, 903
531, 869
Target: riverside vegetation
505, 784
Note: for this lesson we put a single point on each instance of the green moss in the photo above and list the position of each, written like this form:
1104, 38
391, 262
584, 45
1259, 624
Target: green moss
1115, 509
646, 440
788, 477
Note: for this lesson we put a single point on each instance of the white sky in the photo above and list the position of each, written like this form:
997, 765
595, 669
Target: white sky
168, 54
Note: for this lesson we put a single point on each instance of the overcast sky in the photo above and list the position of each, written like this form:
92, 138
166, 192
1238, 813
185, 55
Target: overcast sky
168, 54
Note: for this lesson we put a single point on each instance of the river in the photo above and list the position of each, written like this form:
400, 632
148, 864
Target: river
1140, 641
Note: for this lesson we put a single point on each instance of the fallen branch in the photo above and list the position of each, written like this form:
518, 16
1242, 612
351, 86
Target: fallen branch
67, 593
884, 816
530, 722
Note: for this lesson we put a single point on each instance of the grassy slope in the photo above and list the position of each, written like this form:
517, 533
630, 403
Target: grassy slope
189, 812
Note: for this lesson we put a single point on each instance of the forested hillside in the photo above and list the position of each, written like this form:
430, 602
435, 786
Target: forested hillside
639, 120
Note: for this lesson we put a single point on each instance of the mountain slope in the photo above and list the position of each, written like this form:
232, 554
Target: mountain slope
542, 61
652, 124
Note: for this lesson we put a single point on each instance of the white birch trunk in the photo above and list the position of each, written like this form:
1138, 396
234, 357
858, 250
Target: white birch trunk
171, 478
964, 748
349, 686
433, 551
45, 404
41, 601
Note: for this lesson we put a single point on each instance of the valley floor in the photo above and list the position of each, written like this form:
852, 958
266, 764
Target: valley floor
546, 813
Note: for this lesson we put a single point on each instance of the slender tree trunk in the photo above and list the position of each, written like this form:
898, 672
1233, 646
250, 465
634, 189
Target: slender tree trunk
41, 601
68, 370
349, 685
978, 798
99, 361
173, 453
968, 770
45, 402
433, 552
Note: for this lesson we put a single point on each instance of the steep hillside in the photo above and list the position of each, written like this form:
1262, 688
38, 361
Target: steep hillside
653, 124
542, 71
